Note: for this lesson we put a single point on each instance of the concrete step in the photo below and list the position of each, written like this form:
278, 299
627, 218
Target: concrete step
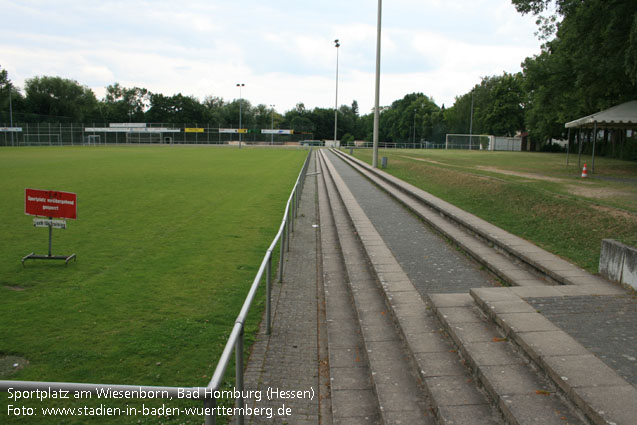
399, 395
352, 396
588, 383
516, 387
514, 260
381, 286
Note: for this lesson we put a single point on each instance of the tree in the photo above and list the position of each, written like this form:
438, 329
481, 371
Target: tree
177, 109
323, 123
60, 98
5, 89
504, 113
590, 65
237, 107
214, 110
123, 104
11, 99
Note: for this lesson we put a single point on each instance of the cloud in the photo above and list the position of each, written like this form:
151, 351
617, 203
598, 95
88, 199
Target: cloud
283, 50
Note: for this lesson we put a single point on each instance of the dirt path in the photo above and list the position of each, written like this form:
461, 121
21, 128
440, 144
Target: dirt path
582, 189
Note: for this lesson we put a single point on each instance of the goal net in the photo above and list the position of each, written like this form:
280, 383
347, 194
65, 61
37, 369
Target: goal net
92, 140
468, 141
507, 144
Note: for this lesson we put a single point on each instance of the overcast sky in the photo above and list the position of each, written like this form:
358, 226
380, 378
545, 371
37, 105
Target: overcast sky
282, 50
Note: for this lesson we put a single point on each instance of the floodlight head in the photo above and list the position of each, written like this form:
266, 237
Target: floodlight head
336, 43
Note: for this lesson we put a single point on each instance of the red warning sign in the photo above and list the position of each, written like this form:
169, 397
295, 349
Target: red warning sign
50, 203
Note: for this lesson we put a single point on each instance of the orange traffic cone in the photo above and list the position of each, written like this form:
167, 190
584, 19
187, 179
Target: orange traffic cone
584, 172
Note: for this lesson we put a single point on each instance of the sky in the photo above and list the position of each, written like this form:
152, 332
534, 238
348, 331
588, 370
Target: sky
282, 50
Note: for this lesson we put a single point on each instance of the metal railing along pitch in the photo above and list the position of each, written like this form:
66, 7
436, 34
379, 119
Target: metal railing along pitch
234, 343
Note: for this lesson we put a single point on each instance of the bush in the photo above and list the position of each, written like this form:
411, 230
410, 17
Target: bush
552, 147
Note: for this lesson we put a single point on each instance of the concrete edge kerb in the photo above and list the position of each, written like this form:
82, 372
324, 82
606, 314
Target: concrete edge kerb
507, 242
527, 334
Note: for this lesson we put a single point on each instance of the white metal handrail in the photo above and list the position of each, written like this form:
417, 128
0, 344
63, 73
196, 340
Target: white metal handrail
235, 340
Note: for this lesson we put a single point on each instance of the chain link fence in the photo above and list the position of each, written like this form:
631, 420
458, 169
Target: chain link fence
69, 134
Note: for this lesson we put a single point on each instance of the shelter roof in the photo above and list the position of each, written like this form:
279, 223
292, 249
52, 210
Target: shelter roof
620, 116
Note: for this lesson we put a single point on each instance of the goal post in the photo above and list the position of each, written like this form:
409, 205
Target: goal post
469, 141
92, 139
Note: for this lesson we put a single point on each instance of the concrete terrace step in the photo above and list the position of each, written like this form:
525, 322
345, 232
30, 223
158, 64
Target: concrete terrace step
352, 395
400, 398
523, 395
596, 389
454, 397
515, 260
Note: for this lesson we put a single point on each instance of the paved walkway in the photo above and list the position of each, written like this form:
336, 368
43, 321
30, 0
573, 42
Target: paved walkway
287, 360
605, 325
433, 265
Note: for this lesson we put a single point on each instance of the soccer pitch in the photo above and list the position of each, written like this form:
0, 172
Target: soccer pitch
168, 241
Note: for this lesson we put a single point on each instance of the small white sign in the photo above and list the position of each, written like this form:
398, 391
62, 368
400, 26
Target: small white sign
127, 124
276, 131
45, 222
10, 129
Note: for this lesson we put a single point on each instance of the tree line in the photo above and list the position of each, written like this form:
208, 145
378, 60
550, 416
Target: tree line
588, 62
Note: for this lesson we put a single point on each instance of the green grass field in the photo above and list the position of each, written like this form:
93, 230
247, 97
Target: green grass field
168, 241
533, 195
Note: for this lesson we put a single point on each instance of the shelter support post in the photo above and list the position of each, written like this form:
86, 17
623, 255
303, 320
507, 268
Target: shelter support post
594, 141
579, 155
568, 146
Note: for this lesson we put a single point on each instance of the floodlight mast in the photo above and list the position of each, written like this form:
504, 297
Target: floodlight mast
240, 107
377, 95
11, 114
272, 135
337, 45
471, 120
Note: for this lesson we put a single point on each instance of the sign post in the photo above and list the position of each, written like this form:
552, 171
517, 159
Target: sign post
51, 204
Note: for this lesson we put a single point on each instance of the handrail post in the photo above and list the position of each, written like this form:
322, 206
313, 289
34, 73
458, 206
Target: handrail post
268, 294
209, 405
287, 233
282, 254
239, 375
293, 209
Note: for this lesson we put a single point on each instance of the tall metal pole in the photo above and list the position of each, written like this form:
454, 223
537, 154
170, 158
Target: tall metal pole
377, 95
240, 110
414, 126
11, 114
337, 45
471, 122
272, 135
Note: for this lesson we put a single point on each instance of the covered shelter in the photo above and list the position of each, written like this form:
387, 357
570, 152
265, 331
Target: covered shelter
621, 117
